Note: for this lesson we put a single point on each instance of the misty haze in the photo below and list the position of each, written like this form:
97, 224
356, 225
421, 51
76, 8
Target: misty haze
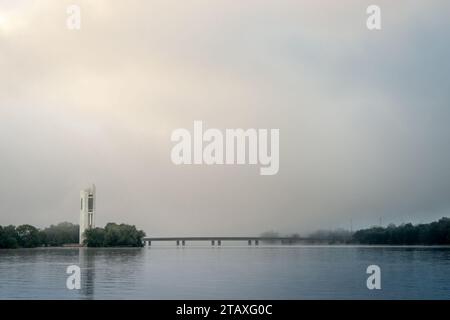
120, 176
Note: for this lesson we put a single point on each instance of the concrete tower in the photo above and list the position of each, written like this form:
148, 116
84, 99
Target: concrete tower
87, 211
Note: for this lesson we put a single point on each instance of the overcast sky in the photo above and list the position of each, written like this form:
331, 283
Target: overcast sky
363, 115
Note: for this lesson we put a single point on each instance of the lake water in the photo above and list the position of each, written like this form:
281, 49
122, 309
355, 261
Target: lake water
227, 272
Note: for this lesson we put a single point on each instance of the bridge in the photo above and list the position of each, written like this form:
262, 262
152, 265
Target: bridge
218, 240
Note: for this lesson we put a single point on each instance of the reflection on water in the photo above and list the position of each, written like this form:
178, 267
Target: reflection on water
288, 272
117, 271
87, 265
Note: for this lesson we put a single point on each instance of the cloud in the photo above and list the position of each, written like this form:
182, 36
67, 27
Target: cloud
362, 115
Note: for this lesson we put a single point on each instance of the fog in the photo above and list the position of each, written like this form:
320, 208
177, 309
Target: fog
363, 115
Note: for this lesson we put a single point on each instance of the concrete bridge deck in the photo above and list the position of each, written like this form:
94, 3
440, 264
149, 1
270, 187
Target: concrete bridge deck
218, 240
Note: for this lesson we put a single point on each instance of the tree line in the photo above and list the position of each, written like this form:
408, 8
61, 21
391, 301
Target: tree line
434, 233
65, 233
28, 236
123, 235
115, 235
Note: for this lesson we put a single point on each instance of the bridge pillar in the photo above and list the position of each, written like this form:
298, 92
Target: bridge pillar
249, 242
183, 242
213, 242
219, 242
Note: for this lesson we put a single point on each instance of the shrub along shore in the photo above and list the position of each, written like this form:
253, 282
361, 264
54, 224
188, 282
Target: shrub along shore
123, 235
66, 233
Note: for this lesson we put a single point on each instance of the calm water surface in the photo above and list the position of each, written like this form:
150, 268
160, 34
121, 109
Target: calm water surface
196, 272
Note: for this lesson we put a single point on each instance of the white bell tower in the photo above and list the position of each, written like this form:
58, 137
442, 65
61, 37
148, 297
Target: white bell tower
87, 210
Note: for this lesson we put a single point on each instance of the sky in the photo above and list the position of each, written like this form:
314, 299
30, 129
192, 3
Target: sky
363, 115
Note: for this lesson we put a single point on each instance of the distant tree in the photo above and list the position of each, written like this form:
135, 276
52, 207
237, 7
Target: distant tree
95, 237
269, 234
8, 237
114, 235
27, 236
43, 238
332, 236
60, 234
435, 233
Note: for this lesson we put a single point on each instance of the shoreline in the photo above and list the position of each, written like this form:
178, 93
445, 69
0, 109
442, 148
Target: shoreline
243, 246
